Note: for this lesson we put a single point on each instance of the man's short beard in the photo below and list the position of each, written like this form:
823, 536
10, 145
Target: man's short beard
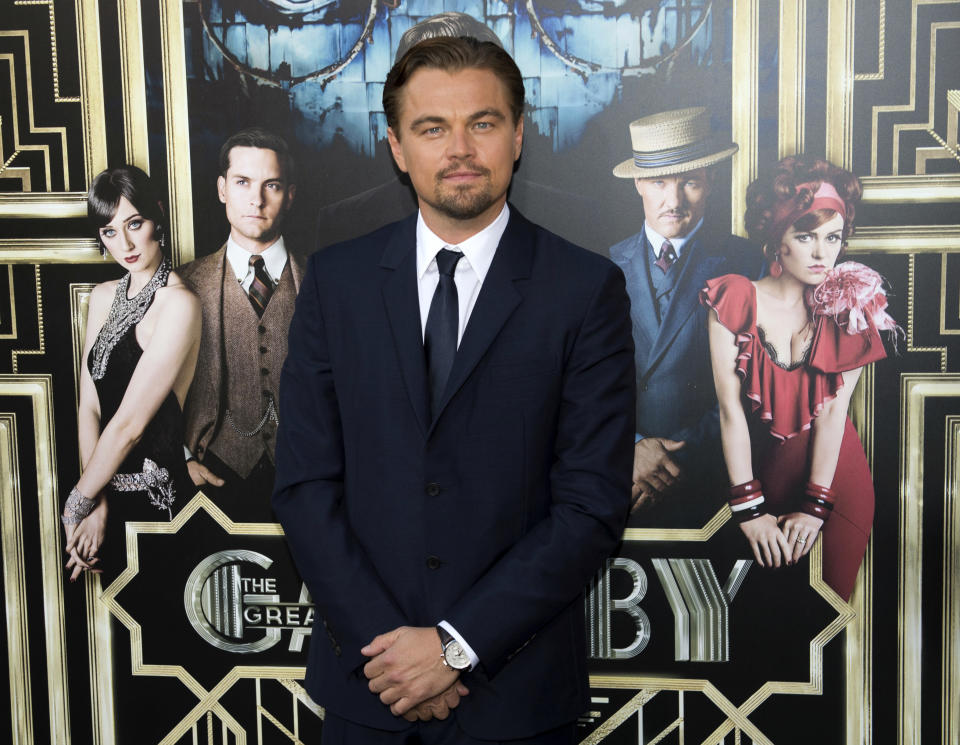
463, 204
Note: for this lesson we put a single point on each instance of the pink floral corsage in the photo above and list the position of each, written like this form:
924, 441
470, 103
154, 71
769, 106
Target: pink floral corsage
854, 296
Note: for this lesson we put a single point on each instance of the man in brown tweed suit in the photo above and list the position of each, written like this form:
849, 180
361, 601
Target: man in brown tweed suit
247, 291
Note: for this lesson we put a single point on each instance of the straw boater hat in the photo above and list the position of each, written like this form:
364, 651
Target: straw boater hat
673, 142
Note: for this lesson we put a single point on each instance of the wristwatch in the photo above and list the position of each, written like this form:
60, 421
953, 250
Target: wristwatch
451, 652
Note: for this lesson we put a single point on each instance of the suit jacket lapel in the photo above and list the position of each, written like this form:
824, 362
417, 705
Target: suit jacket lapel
496, 302
402, 305
697, 268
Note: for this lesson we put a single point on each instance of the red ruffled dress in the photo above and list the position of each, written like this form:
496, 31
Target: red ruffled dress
781, 403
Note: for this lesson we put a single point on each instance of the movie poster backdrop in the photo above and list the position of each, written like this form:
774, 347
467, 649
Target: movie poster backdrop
203, 636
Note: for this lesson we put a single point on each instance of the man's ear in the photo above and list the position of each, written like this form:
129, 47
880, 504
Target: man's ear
396, 149
291, 193
518, 140
222, 189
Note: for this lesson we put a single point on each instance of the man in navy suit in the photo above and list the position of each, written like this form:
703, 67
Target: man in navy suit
679, 476
455, 442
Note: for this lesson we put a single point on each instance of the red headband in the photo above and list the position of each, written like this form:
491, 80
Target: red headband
825, 197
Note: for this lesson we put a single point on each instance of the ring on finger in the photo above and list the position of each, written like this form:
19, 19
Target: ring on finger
801, 540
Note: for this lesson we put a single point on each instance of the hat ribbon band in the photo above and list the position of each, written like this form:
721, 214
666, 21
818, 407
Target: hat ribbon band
674, 155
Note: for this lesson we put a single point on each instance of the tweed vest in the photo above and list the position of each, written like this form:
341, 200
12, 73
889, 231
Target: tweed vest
254, 351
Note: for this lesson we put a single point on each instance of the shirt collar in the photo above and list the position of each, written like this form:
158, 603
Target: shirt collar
478, 249
274, 258
656, 240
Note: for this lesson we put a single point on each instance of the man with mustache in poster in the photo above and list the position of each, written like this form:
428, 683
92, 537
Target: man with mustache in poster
453, 459
678, 470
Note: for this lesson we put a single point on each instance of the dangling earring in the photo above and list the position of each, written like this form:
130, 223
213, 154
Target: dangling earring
163, 242
103, 250
776, 268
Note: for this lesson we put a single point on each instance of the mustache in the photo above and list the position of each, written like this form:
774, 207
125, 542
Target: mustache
461, 167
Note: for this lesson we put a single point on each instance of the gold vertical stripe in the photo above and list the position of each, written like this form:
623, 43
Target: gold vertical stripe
79, 303
100, 655
177, 129
745, 54
134, 85
915, 389
14, 585
40, 390
12, 334
858, 642
840, 83
950, 687
881, 46
91, 88
793, 50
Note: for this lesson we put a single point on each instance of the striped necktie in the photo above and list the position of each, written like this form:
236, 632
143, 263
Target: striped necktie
262, 286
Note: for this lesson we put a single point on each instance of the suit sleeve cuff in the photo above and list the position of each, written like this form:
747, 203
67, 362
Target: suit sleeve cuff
474, 660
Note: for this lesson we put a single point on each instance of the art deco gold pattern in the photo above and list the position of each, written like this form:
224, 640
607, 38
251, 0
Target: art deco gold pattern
839, 82
15, 354
21, 140
950, 687
14, 585
91, 86
12, 312
793, 51
134, 85
746, 53
38, 389
916, 389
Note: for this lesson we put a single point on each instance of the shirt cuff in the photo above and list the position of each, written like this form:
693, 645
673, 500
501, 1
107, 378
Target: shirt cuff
187, 455
474, 660
638, 438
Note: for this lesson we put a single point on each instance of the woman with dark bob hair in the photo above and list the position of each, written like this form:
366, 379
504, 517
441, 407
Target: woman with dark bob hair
787, 351
139, 354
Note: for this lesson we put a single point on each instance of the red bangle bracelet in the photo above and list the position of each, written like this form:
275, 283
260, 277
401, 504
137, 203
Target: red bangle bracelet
748, 487
820, 492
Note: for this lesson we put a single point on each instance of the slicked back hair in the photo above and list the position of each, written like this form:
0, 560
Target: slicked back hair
265, 140
453, 54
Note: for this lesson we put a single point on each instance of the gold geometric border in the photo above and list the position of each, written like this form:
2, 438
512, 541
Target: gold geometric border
900, 190
13, 307
792, 77
905, 239
39, 389
915, 390
177, 127
680, 534
744, 73
14, 585
738, 717
43, 206
950, 644
49, 251
208, 700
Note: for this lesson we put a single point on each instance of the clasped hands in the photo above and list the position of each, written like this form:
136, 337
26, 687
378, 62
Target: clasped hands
408, 674
655, 470
84, 540
784, 539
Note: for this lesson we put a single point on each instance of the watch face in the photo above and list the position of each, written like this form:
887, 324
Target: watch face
455, 656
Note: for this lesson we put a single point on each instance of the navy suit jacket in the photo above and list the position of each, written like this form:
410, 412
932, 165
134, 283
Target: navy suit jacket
676, 397
494, 515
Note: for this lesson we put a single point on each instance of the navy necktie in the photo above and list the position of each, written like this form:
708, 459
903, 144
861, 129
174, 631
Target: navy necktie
440, 336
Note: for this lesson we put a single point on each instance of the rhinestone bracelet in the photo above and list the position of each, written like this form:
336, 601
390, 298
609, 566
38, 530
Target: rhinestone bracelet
76, 508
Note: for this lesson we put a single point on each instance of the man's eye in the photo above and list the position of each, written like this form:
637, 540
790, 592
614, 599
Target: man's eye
482, 125
275, 187
241, 182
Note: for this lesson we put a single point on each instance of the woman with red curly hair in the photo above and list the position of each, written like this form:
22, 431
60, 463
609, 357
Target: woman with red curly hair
787, 351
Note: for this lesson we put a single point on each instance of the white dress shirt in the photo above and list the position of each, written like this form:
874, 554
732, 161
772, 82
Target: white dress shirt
274, 260
478, 251
656, 240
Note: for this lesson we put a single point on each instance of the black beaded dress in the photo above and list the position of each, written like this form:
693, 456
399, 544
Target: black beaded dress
152, 483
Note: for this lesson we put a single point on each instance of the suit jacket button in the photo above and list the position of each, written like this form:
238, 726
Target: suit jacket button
433, 489
264, 371
261, 329
263, 350
336, 650
692, 386
643, 387
433, 562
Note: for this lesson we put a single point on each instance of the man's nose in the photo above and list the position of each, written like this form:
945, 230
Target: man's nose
460, 143
673, 195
